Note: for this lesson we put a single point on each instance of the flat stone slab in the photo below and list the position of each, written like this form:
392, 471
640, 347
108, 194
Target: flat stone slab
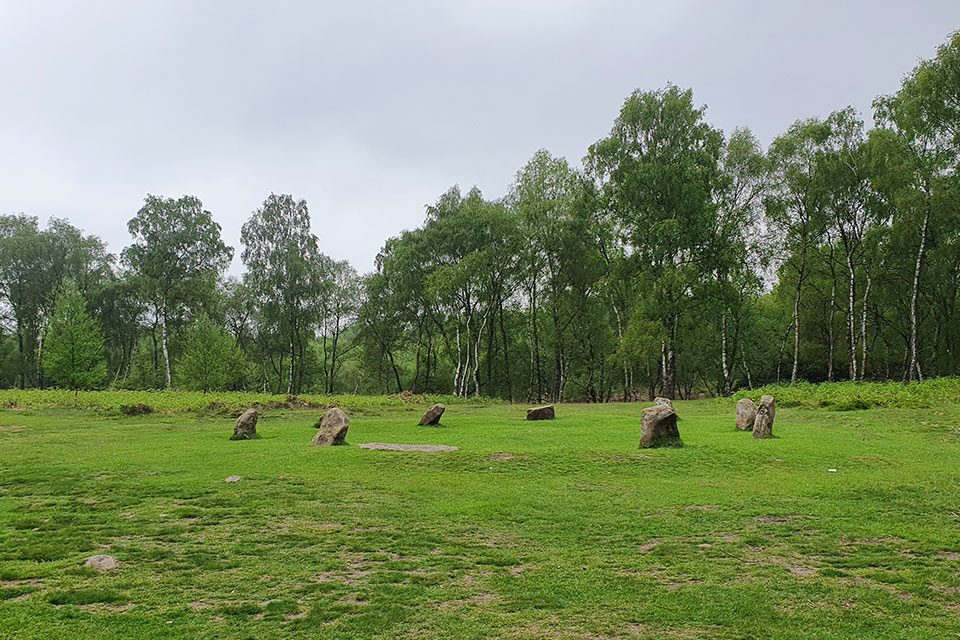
386, 446
101, 563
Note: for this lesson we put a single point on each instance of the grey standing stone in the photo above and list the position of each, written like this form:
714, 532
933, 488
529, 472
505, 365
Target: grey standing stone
333, 428
746, 414
432, 416
246, 426
763, 424
541, 413
658, 427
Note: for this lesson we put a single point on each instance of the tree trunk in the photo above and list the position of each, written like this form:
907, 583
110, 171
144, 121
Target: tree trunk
723, 352
506, 354
863, 325
476, 356
163, 344
626, 377
833, 312
290, 366
914, 372
796, 333
670, 363
852, 318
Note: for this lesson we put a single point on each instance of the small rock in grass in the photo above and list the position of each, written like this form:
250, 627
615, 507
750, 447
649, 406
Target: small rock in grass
545, 412
746, 414
658, 427
246, 427
101, 563
232, 479
763, 424
333, 428
432, 416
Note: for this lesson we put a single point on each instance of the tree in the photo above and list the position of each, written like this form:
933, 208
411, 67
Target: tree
176, 255
284, 274
74, 355
211, 359
796, 210
923, 118
659, 170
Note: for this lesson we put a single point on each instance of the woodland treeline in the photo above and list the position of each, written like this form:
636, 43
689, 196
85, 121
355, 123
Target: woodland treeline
675, 260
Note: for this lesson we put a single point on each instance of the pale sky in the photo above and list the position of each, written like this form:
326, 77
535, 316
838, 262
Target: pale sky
371, 110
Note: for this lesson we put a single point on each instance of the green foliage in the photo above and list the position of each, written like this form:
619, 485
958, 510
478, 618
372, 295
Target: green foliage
74, 349
211, 360
847, 396
231, 402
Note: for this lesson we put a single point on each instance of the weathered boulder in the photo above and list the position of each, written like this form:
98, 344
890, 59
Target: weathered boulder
101, 563
432, 416
658, 427
246, 427
746, 414
333, 428
763, 423
541, 413
666, 402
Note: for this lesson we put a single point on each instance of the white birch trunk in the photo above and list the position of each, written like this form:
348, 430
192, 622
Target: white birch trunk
163, 344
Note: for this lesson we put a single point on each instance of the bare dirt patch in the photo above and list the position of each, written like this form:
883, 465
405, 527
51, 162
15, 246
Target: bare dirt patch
476, 600
11, 428
502, 456
515, 571
648, 546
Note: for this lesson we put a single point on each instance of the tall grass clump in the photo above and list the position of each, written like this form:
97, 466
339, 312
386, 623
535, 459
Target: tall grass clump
850, 396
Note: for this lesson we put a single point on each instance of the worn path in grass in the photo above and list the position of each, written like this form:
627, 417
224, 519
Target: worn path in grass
557, 529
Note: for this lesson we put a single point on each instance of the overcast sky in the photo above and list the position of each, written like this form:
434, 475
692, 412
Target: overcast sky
370, 110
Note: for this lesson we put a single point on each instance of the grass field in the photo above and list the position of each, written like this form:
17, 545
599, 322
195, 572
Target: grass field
557, 529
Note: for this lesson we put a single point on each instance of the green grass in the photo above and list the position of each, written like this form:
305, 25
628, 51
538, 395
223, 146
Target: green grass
554, 529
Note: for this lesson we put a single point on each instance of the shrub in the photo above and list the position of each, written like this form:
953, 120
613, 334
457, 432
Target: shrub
852, 396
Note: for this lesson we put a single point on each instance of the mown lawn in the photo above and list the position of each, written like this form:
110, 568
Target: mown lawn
559, 529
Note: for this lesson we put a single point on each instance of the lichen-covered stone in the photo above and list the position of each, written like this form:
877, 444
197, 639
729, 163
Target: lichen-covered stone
746, 414
545, 412
333, 429
432, 416
763, 423
658, 427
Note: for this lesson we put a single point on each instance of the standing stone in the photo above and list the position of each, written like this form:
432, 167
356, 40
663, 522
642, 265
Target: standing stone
658, 427
432, 416
664, 402
333, 428
763, 424
746, 414
246, 427
541, 413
